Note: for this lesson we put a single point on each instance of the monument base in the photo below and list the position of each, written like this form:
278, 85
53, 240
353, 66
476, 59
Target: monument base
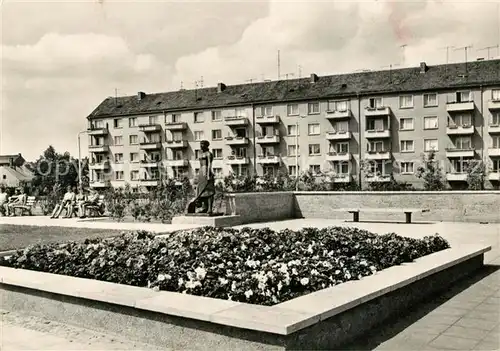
206, 220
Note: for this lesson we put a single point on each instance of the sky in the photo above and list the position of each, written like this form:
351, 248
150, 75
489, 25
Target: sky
60, 59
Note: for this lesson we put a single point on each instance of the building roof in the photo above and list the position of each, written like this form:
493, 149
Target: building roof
7, 159
476, 73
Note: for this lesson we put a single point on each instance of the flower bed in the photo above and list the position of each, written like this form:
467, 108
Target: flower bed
258, 266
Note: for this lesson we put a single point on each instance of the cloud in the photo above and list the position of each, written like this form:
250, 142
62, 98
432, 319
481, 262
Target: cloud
335, 37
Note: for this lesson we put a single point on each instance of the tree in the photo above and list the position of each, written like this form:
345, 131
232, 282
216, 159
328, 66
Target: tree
431, 172
476, 172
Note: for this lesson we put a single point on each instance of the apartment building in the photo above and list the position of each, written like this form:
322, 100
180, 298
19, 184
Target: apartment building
361, 127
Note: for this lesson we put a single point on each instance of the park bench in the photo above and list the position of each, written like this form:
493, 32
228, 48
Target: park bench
27, 207
407, 211
96, 210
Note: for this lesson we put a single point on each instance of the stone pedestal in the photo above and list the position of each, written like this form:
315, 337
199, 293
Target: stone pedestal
206, 220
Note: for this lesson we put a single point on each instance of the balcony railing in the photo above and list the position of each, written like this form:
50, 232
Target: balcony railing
230, 140
494, 176
378, 133
236, 121
99, 165
338, 114
338, 156
268, 139
267, 119
494, 104
378, 178
177, 163
99, 148
150, 163
150, 128
460, 106
268, 159
97, 131
338, 135
454, 152
176, 125
378, 155
342, 178
154, 181
494, 128
173, 144
100, 183
464, 129
377, 111
494, 152
150, 145
237, 160
456, 177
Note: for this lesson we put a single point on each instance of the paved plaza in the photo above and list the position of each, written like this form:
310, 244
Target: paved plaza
465, 318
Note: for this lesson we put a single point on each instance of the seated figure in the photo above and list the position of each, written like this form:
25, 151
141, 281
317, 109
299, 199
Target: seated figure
17, 200
66, 203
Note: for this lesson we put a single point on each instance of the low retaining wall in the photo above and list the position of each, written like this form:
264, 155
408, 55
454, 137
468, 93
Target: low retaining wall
326, 319
261, 207
454, 206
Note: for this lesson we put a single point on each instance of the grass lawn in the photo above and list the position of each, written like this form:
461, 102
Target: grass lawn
19, 236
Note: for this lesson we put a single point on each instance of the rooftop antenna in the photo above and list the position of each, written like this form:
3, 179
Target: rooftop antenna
201, 82
465, 48
286, 75
300, 71
279, 65
403, 49
488, 48
182, 85
390, 69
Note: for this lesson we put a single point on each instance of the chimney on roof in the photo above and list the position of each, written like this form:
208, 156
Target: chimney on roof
221, 87
141, 95
314, 78
423, 67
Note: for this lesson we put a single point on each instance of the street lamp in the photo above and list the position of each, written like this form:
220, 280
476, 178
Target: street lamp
80, 160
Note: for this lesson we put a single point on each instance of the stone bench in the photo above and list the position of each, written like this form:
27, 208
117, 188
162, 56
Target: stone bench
407, 211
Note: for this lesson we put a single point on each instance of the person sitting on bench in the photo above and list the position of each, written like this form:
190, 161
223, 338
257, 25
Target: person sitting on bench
16, 200
79, 201
92, 200
66, 203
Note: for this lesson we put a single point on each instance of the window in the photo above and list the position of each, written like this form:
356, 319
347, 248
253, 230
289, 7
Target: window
240, 132
495, 142
217, 134
173, 118
240, 152
132, 122
341, 126
269, 131
98, 124
133, 139
134, 175
495, 119
339, 148
218, 172
292, 171
292, 109
240, 170
375, 146
4, 176
154, 156
217, 115
293, 130
430, 122
199, 117
117, 123
153, 120
463, 143
196, 172
177, 135
376, 167
406, 124
407, 146
430, 144
264, 111
291, 150
406, 101
340, 106
341, 167
430, 100
154, 138
118, 140
495, 95
268, 150
375, 124
315, 169
459, 166
313, 129
375, 102
313, 108
178, 172
496, 165
199, 135
241, 112
461, 120
463, 96
314, 149
134, 157
407, 168
197, 153
179, 155
217, 153
119, 175
118, 158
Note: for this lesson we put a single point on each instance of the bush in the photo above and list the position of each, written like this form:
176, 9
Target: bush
258, 266
431, 173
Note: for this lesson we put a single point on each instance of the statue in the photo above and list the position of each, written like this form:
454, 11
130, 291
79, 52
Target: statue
205, 189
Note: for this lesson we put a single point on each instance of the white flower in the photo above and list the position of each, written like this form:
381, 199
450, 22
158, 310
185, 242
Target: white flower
156, 288
223, 281
192, 284
200, 273
314, 272
294, 271
304, 281
181, 282
283, 268
310, 249
363, 263
373, 269
275, 299
161, 277
347, 275
248, 293
233, 286
280, 286
243, 247
337, 271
